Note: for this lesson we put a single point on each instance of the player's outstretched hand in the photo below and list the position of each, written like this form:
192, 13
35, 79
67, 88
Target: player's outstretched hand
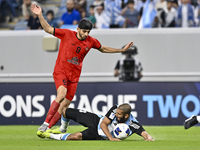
149, 138
114, 139
127, 47
36, 9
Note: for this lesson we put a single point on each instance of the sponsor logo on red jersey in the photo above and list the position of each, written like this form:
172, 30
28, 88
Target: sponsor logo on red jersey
74, 60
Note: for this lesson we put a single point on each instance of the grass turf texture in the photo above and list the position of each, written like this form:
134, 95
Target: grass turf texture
167, 137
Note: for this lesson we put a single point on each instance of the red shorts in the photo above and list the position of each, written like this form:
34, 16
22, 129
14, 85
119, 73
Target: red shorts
61, 79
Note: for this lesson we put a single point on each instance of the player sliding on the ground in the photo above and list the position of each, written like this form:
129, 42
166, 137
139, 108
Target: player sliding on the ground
99, 127
73, 48
191, 121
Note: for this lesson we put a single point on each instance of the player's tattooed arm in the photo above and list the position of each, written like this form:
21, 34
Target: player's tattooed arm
104, 126
38, 11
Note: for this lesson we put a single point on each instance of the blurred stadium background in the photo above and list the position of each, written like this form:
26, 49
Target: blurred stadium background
167, 94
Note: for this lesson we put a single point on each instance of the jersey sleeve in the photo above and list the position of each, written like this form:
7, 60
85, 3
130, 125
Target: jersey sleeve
136, 127
59, 33
111, 113
96, 44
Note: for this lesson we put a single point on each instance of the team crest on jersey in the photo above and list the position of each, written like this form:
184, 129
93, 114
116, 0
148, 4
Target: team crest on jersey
87, 48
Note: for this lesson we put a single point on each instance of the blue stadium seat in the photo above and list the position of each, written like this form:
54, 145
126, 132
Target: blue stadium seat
22, 25
63, 5
59, 14
68, 26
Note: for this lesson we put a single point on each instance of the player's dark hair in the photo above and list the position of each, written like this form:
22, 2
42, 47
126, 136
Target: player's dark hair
126, 108
85, 24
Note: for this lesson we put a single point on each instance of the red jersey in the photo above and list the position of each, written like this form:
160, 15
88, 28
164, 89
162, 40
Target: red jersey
72, 52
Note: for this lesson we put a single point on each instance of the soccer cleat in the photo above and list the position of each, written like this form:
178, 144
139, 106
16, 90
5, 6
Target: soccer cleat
43, 127
43, 134
190, 122
55, 131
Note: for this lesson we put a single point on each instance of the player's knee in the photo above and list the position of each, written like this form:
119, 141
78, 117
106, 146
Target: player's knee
61, 93
60, 97
75, 136
78, 136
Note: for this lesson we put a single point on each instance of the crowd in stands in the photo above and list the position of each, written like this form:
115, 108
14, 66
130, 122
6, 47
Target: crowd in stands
107, 13
9, 5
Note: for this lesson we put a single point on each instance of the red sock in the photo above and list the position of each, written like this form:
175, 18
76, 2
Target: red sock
52, 110
54, 120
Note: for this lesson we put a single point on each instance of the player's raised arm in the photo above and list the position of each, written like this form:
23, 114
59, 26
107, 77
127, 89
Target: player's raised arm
38, 11
105, 49
104, 126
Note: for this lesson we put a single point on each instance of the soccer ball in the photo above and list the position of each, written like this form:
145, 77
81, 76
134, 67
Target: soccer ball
121, 131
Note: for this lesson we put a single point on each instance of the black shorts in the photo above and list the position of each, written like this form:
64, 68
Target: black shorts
86, 119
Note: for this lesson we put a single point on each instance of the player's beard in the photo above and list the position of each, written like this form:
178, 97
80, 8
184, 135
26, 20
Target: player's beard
122, 120
82, 37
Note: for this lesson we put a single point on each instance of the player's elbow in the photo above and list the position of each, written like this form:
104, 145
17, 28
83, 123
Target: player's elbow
101, 125
102, 49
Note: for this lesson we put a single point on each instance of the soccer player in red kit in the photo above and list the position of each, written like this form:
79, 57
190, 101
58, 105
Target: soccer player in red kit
73, 48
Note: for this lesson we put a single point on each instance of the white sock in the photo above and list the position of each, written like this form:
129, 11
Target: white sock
198, 119
59, 136
64, 124
46, 123
56, 136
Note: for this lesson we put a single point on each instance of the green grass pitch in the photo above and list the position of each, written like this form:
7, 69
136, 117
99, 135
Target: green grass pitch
166, 138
